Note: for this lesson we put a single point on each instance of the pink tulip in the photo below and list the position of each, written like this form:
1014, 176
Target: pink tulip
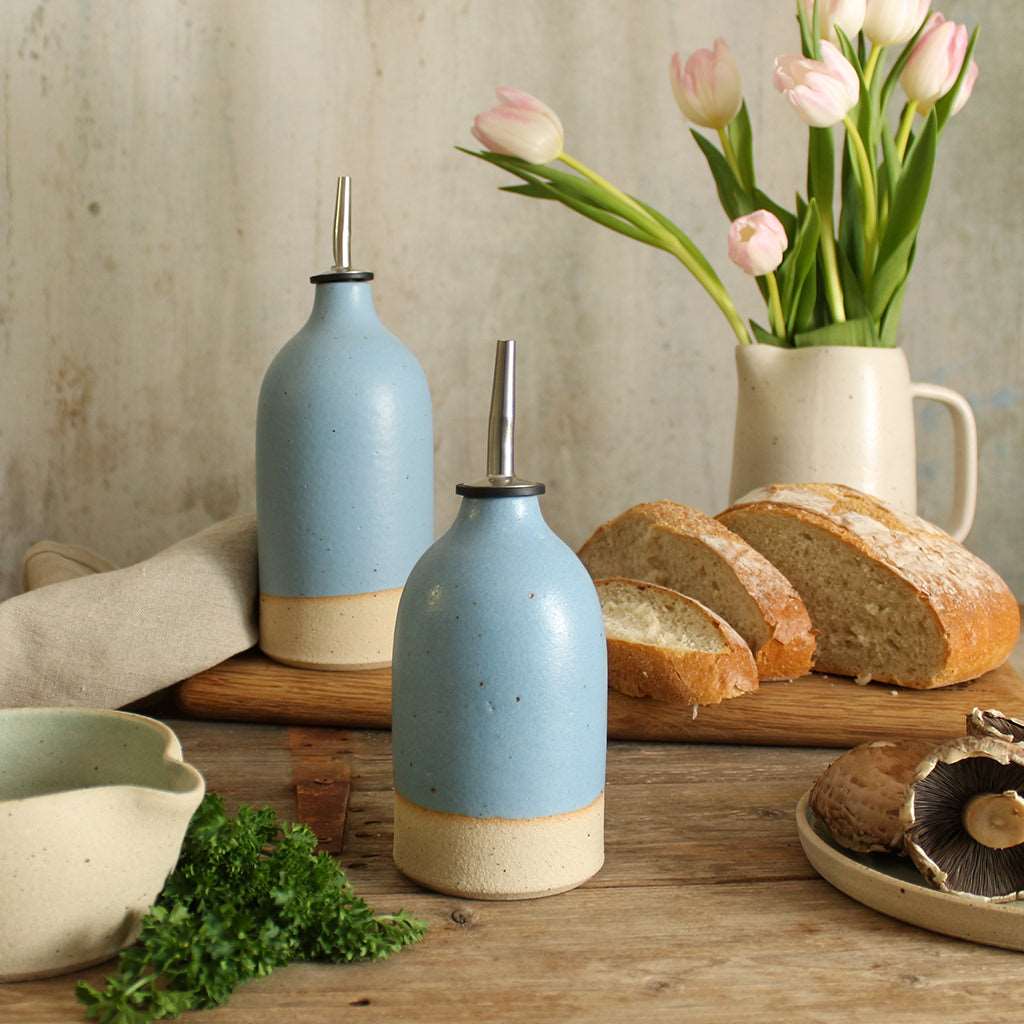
934, 62
890, 22
520, 126
847, 14
966, 88
821, 91
708, 88
757, 242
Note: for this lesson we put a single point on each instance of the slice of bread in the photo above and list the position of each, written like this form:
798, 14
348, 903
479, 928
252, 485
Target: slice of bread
664, 645
892, 597
683, 549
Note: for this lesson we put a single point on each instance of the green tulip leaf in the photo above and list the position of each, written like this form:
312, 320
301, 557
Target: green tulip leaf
742, 138
891, 319
821, 168
847, 50
853, 293
764, 337
731, 195
891, 166
603, 217
799, 264
846, 332
944, 107
904, 218
810, 30
805, 301
682, 237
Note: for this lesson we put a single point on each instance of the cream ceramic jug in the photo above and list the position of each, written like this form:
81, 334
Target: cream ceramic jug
843, 414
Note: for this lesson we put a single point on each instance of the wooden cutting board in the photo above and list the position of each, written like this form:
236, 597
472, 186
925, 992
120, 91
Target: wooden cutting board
815, 711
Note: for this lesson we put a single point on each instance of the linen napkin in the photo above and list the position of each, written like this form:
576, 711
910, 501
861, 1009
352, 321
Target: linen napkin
86, 633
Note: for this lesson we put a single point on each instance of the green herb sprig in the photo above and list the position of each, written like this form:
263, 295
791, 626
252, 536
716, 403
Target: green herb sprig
249, 894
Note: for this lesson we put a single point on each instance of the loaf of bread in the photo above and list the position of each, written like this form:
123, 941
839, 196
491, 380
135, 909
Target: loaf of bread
685, 550
892, 597
664, 645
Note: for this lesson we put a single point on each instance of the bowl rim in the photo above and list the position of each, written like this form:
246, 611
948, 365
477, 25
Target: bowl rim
171, 753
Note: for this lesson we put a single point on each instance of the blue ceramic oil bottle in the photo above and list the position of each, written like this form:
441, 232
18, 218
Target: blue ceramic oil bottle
500, 694
344, 475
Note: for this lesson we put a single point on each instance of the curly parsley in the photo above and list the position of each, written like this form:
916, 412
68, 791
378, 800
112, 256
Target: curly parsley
248, 894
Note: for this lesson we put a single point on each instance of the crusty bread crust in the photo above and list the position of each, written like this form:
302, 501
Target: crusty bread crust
674, 675
789, 651
976, 613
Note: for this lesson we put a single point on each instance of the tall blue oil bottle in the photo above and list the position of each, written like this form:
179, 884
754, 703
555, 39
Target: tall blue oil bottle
344, 475
500, 694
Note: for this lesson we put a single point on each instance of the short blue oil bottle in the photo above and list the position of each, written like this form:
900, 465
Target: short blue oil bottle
344, 474
500, 694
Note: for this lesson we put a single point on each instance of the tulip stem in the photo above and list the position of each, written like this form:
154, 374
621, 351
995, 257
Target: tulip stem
730, 156
830, 271
778, 321
872, 64
906, 122
867, 174
664, 239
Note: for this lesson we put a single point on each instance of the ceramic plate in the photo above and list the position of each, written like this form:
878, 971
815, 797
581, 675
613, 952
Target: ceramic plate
892, 885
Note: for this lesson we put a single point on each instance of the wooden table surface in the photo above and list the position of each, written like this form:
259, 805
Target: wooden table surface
706, 909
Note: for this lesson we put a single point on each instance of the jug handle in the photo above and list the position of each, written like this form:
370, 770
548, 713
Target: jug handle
965, 453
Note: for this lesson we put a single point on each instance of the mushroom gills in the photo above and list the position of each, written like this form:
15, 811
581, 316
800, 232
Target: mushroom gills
967, 829
995, 724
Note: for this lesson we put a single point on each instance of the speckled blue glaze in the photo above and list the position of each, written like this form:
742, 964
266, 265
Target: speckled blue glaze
500, 684
344, 454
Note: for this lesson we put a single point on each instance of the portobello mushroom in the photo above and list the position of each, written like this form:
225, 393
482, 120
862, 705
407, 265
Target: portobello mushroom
963, 818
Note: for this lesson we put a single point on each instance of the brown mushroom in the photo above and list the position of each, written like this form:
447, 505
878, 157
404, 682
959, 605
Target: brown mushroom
860, 794
964, 818
995, 724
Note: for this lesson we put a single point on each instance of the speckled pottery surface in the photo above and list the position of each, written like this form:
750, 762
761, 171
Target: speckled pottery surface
93, 809
345, 482
500, 710
499, 694
842, 414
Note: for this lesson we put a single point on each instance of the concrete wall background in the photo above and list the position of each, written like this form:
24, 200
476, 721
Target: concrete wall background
167, 181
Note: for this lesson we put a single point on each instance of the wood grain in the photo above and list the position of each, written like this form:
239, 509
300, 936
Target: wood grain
816, 711
321, 775
705, 911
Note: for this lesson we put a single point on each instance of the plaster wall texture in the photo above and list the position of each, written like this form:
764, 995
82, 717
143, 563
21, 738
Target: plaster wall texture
166, 188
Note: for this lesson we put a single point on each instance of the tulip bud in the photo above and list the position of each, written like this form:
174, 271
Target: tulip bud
847, 14
708, 88
757, 242
520, 126
966, 88
934, 62
891, 22
821, 91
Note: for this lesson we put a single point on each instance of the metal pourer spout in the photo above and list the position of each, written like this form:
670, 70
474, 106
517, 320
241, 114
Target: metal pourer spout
343, 224
341, 239
501, 480
501, 427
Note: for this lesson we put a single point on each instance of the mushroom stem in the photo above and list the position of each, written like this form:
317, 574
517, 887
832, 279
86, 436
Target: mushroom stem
996, 820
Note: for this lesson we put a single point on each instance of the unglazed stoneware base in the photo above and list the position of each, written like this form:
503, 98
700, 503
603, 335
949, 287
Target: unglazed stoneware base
498, 858
351, 631
93, 808
892, 885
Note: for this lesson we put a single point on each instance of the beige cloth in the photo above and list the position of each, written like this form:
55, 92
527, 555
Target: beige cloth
88, 634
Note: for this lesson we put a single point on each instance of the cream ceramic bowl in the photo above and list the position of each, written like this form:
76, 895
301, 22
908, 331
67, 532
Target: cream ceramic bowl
93, 809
